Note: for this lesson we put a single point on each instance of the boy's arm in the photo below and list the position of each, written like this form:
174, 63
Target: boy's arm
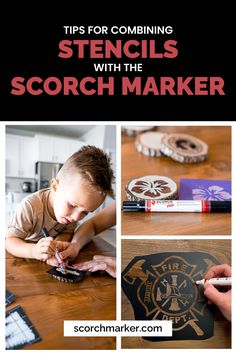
41, 250
18, 247
103, 220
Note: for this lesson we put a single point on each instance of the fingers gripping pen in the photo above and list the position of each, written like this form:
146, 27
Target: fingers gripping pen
57, 254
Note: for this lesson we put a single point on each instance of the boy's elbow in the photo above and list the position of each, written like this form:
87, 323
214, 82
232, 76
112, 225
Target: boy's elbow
9, 243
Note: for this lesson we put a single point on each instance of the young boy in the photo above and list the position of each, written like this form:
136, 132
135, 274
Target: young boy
80, 187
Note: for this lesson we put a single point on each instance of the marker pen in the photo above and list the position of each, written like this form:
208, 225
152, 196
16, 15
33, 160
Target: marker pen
203, 206
57, 254
223, 281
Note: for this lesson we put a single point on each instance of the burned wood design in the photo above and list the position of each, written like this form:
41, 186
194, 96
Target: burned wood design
162, 287
72, 275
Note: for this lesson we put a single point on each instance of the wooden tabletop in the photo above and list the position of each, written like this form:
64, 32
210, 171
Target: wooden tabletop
221, 249
49, 302
217, 167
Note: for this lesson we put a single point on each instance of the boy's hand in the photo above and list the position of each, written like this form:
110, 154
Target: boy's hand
60, 246
99, 262
44, 249
70, 252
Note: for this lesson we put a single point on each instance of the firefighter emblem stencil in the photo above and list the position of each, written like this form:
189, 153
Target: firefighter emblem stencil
162, 287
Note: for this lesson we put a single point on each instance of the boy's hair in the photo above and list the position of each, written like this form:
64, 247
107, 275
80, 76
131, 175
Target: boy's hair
93, 165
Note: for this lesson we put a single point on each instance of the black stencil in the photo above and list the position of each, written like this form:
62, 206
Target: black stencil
77, 276
162, 287
10, 298
19, 330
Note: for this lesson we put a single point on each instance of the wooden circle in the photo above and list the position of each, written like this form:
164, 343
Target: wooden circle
149, 143
134, 130
184, 148
151, 187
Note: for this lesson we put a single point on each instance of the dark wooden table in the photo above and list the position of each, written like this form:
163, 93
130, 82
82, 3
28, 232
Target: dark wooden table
221, 249
48, 302
217, 167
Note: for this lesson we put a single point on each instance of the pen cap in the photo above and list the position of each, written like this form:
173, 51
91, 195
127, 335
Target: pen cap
221, 206
134, 206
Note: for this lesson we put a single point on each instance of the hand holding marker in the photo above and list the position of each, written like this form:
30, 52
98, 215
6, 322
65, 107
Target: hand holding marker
223, 300
57, 255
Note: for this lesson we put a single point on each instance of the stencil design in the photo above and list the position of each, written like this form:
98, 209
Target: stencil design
151, 188
162, 287
212, 193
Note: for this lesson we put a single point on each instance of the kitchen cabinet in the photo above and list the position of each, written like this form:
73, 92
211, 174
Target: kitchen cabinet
48, 149
56, 149
20, 156
74, 146
22, 152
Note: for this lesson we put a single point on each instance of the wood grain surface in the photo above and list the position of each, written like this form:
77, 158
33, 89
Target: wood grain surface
216, 167
48, 302
221, 249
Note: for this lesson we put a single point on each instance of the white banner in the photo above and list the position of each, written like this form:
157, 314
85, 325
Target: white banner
74, 328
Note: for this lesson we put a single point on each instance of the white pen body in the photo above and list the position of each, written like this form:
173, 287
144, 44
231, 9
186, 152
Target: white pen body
223, 281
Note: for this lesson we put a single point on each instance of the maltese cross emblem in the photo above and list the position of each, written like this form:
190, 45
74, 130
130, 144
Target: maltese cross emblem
162, 287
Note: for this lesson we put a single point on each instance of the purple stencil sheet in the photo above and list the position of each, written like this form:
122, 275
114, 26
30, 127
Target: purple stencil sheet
204, 189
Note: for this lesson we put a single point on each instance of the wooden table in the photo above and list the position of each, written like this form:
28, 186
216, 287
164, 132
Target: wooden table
217, 167
221, 249
48, 302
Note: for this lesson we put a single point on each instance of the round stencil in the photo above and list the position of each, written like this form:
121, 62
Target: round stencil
152, 187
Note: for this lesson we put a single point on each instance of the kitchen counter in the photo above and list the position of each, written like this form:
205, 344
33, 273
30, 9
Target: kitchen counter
109, 235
